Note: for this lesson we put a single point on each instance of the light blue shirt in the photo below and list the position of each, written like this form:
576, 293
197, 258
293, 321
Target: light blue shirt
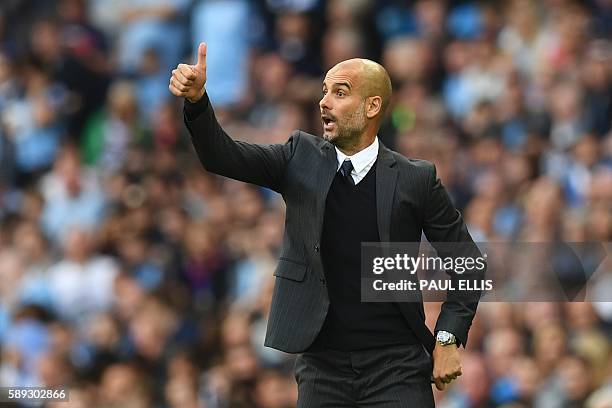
362, 160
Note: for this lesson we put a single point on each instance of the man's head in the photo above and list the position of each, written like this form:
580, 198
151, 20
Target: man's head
356, 94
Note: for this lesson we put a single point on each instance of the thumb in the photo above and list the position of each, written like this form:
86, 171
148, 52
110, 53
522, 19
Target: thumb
201, 56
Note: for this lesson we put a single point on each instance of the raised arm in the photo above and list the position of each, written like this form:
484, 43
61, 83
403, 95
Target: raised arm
263, 165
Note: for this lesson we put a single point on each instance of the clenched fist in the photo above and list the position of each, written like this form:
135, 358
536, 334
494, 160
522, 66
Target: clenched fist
188, 80
447, 365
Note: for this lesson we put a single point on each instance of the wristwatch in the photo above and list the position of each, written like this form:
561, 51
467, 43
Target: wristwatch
445, 338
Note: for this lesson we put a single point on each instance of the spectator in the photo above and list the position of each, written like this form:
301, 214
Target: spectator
72, 196
81, 282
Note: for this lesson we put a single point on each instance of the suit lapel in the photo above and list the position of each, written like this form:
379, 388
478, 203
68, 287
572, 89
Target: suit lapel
386, 179
386, 182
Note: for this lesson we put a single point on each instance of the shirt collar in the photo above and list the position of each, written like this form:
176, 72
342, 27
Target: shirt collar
360, 159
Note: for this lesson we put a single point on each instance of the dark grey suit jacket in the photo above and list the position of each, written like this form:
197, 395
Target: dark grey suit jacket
410, 200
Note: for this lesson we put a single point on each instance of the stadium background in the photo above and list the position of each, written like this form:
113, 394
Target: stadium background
134, 278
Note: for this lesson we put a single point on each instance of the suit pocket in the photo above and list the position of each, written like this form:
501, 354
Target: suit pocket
290, 269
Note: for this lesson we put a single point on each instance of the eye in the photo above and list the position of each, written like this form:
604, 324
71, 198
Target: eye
324, 92
340, 93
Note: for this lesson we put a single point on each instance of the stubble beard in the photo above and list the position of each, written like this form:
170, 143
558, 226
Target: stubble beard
350, 131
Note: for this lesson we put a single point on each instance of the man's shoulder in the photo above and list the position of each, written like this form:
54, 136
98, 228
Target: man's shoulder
306, 146
414, 173
420, 166
308, 138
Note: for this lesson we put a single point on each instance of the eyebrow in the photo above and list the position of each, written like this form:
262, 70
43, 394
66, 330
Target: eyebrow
346, 84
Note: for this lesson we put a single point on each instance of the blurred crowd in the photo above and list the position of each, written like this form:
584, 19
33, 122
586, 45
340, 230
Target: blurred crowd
136, 279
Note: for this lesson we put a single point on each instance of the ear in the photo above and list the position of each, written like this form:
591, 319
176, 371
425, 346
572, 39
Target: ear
373, 106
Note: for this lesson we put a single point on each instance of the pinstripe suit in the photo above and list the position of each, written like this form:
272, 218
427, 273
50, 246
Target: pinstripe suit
409, 200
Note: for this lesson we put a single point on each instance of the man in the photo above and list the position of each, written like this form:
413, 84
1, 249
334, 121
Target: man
341, 190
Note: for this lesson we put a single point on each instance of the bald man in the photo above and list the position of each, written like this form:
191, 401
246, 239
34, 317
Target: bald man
341, 190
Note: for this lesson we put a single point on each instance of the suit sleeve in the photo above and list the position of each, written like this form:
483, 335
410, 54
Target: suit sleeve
261, 164
446, 231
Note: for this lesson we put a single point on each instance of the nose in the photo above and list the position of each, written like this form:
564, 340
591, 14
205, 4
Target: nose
324, 102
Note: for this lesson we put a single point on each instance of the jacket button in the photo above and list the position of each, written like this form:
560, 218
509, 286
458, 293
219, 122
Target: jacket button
317, 248
322, 280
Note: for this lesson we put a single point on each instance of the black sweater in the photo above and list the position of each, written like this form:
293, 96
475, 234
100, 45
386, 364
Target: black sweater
350, 219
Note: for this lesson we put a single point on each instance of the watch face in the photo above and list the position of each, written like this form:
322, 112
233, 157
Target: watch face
443, 337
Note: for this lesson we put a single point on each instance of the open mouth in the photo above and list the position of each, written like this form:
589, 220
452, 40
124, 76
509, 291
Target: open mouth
328, 123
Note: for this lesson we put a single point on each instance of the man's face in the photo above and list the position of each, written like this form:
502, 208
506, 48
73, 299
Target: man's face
342, 106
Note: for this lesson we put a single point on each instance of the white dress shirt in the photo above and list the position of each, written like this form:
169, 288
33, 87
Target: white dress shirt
362, 160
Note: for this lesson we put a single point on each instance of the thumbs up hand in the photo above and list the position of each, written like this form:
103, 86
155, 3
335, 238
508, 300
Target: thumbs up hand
188, 80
